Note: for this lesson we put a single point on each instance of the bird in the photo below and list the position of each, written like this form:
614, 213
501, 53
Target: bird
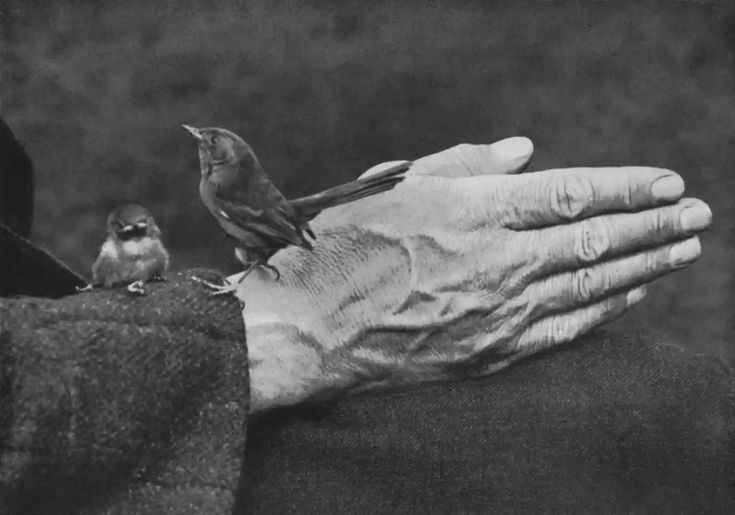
133, 253
253, 212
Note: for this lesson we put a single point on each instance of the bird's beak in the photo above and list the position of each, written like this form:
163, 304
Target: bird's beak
194, 132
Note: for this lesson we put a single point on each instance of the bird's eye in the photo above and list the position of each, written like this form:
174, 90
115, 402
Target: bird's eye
214, 140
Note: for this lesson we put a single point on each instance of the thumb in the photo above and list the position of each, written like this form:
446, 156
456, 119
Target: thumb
510, 155
507, 156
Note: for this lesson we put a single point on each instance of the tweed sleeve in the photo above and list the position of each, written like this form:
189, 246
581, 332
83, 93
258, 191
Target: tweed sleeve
112, 403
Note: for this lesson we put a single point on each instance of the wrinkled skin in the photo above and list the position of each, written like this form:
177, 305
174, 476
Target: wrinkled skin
461, 270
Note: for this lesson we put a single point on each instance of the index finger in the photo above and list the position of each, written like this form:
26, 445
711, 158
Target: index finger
550, 197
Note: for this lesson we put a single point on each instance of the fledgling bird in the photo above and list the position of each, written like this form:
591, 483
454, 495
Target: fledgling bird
251, 210
132, 254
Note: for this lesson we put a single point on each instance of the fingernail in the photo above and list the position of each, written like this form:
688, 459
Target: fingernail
696, 217
379, 168
635, 295
685, 252
670, 187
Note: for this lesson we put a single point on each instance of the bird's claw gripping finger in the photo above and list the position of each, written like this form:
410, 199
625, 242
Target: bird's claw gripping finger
273, 269
89, 287
222, 289
218, 289
136, 288
256, 264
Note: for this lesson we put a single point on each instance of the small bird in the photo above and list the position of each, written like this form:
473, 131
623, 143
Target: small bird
132, 254
253, 212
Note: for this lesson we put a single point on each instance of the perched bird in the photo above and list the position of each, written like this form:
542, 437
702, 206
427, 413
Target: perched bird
132, 254
251, 210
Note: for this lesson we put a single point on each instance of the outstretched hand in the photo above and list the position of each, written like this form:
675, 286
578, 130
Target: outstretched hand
462, 269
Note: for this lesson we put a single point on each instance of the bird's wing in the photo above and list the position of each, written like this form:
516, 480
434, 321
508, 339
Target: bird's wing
273, 222
104, 269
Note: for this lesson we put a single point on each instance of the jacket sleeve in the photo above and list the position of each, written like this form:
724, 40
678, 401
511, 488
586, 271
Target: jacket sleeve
113, 403
612, 423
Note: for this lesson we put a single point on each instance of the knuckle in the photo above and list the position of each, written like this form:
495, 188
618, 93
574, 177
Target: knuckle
652, 261
592, 240
531, 305
561, 329
583, 285
613, 307
467, 157
510, 212
535, 251
660, 222
570, 196
629, 193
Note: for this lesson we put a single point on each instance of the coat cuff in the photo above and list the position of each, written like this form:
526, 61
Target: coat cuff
133, 404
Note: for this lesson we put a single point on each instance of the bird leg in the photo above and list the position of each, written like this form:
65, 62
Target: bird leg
254, 264
89, 287
227, 287
249, 269
218, 289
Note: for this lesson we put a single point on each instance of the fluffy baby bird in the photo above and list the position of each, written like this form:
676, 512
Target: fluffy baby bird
132, 254
253, 212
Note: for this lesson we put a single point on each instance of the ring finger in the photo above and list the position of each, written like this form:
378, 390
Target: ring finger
571, 290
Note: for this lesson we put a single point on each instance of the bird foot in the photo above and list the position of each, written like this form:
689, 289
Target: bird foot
218, 289
254, 265
136, 288
89, 287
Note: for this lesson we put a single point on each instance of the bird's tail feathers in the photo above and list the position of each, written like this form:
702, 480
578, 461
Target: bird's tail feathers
310, 206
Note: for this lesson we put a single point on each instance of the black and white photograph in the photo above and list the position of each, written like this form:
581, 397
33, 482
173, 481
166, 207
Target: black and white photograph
367, 257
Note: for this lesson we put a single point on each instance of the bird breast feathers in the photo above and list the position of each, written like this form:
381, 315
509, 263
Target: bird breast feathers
131, 248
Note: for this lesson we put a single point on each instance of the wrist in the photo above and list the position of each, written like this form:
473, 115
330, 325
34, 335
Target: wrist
285, 365
287, 346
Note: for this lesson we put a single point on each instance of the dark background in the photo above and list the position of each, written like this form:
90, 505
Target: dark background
323, 90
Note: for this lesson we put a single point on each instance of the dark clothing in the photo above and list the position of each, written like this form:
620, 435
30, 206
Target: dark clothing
610, 424
16, 183
26, 269
114, 403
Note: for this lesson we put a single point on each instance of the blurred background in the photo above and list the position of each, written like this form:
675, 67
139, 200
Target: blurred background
97, 91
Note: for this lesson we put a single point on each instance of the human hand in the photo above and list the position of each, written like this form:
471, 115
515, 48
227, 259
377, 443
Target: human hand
457, 273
